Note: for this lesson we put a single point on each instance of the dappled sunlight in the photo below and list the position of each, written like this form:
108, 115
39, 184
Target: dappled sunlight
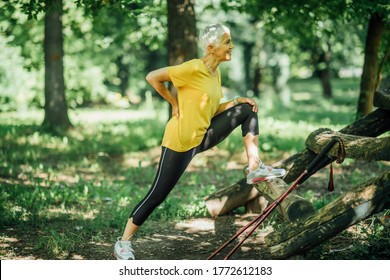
302, 96
9, 249
101, 116
196, 225
7, 241
142, 159
73, 212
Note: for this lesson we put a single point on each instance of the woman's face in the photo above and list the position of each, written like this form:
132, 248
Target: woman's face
224, 51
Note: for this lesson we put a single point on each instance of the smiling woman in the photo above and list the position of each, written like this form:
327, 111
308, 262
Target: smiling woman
199, 122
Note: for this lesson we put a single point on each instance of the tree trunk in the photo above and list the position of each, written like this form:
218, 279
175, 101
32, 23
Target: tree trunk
257, 81
381, 66
369, 75
321, 61
182, 38
323, 73
368, 199
123, 74
56, 110
247, 55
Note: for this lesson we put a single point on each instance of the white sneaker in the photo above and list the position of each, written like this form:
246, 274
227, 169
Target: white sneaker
123, 250
262, 173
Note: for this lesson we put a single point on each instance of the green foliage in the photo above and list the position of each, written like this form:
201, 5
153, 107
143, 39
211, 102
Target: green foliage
102, 41
58, 245
15, 93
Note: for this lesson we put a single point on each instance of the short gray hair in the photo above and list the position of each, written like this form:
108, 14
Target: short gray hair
211, 35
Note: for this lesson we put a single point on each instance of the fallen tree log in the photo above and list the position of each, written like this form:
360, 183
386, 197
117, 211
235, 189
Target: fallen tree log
372, 125
367, 199
382, 99
356, 147
228, 199
224, 201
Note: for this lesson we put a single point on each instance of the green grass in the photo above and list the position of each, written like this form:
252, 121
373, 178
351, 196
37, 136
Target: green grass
80, 186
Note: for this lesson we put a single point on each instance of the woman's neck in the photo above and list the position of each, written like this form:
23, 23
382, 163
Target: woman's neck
211, 63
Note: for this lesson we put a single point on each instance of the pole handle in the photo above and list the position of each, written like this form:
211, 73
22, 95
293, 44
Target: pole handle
320, 156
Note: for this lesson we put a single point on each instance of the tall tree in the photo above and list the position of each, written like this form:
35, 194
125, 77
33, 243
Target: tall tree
370, 66
182, 39
56, 113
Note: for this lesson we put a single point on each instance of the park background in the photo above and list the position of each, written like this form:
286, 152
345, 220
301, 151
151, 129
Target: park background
80, 127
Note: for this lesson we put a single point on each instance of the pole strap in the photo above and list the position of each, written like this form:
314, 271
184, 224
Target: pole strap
340, 159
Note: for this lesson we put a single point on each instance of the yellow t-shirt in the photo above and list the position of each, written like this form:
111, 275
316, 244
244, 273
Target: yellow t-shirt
199, 95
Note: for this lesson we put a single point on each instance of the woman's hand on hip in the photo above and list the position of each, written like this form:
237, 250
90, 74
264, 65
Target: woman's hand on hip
175, 110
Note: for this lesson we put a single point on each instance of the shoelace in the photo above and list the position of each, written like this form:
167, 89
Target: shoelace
261, 164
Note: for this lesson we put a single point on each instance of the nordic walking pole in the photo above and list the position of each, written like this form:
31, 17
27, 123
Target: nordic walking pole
236, 235
319, 159
266, 212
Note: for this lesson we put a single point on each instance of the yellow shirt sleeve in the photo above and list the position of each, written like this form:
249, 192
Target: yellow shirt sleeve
180, 74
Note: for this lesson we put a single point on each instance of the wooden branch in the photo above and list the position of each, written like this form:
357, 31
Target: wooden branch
382, 64
368, 199
356, 147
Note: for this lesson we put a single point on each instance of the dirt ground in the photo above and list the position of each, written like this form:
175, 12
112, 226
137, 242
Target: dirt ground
197, 239
193, 239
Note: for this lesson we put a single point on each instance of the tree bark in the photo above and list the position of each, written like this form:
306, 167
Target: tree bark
182, 38
56, 110
323, 72
381, 66
123, 74
247, 55
370, 66
257, 81
364, 201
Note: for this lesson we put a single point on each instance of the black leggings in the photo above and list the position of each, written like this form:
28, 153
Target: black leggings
173, 164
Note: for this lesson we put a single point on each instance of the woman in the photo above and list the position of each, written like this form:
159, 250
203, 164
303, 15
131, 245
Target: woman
199, 122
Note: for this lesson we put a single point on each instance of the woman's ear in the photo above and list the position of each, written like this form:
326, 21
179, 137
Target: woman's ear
210, 48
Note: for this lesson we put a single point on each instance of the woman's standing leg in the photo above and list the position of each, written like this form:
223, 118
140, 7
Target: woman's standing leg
171, 166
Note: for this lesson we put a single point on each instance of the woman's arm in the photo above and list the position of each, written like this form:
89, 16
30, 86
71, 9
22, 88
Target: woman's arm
229, 104
156, 79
